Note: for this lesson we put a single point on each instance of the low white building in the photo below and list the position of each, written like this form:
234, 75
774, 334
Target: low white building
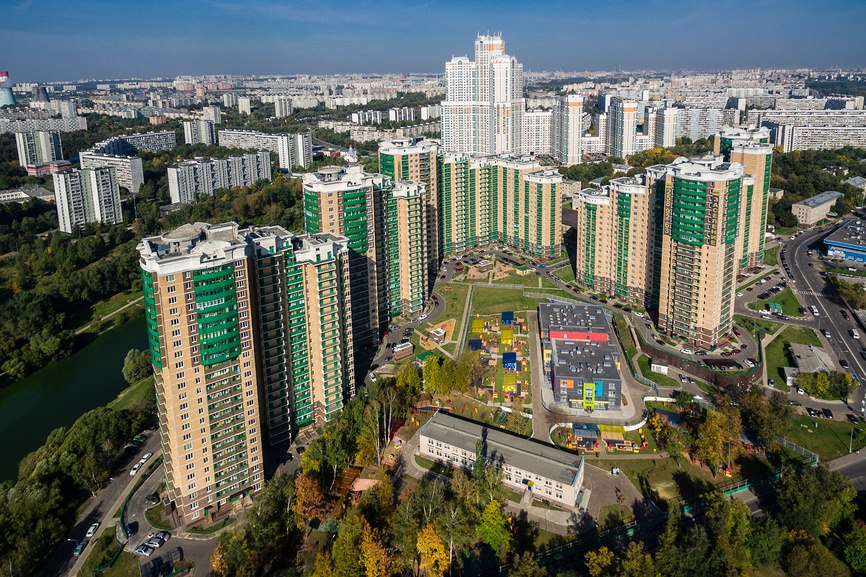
547, 471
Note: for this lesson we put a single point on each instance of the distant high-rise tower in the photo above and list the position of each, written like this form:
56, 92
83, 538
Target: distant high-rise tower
38, 147
483, 108
666, 127
198, 132
568, 129
245, 105
212, 114
621, 128
283, 107
85, 196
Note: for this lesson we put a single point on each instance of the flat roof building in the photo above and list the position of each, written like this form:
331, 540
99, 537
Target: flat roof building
546, 471
815, 209
848, 242
580, 357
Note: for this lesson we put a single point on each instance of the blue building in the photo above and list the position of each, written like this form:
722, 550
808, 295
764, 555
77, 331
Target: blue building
848, 242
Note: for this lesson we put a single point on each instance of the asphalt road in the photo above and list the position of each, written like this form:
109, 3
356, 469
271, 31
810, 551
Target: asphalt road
101, 509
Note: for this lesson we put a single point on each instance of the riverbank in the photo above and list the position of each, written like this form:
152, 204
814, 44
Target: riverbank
56, 395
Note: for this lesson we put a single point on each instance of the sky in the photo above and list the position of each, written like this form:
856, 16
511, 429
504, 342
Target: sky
46, 40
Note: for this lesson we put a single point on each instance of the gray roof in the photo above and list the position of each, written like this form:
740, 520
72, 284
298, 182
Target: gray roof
857, 181
851, 234
809, 359
587, 361
556, 316
533, 456
819, 199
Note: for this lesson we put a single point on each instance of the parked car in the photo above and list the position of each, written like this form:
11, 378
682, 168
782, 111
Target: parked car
91, 531
135, 469
844, 364
79, 548
152, 499
853, 418
795, 403
154, 543
164, 535
827, 413
145, 457
682, 378
143, 550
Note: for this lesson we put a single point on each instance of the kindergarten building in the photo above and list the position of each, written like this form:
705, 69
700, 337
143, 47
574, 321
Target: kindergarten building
581, 359
547, 471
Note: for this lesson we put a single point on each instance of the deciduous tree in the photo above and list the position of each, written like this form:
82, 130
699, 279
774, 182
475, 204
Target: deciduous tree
434, 558
308, 502
493, 528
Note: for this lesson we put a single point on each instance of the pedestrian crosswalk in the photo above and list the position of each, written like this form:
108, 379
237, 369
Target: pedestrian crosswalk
809, 293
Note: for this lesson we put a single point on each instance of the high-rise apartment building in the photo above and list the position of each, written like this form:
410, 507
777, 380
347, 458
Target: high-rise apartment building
666, 127
38, 147
752, 149
283, 107
568, 129
408, 274
621, 128
537, 132
499, 199
245, 105
291, 149
417, 159
85, 196
212, 114
696, 247
230, 99
199, 132
304, 312
199, 285
193, 178
348, 202
615, 231
484, 104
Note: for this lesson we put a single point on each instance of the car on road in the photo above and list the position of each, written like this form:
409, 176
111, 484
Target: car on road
687, 352
795, 403
135, 469
682, 378
301, 450
639, 314
826, 333
152, 499
828, 414
800, 391
145, 457
372, 377
844, 314
741, 293
737, 332
844, 364
748, 363
79, 549
91, 531
143, 550
855, 334
422, 317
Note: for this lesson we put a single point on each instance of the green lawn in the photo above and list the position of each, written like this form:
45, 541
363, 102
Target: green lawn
628, 343
843, 270
776, 356
455, 295
153, 517
771, 256
829, 438
132, 397
753, 325
661, 380
429, 465
566, 273
101, 550
785, 231
786, 298
493, 300
529, 281
614, 515
663, 477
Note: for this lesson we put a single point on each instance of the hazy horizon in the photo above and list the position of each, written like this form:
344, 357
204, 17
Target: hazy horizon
46, 41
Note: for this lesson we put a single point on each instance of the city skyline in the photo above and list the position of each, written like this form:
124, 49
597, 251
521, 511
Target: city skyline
270, 37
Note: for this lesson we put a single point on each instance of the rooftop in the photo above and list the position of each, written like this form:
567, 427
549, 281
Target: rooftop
556, 316
852, 234
819, 199
809, 359
526, 454
585, 361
